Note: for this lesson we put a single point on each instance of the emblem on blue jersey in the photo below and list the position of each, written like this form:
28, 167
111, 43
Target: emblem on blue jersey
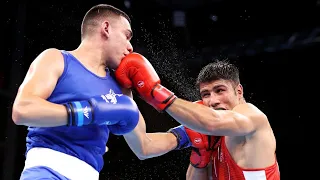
111, 97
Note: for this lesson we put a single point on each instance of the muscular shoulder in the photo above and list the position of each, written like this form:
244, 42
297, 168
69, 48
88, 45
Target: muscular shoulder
248, 109
50, 60
252, 112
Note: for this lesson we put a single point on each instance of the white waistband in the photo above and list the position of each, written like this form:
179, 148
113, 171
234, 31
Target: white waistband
68, 166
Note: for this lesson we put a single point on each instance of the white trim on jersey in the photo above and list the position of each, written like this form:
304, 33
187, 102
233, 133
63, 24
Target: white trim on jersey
255, 175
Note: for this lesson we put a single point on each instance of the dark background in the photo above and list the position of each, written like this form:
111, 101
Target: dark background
272, 42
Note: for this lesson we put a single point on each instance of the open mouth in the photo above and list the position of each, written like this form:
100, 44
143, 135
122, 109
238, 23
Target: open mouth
220, 109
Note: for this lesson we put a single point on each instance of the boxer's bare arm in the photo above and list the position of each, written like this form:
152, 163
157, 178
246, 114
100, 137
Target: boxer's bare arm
148, 145
242, 120
197, 173
30, 107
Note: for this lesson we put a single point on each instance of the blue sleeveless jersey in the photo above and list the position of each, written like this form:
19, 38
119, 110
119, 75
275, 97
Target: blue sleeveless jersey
87, 142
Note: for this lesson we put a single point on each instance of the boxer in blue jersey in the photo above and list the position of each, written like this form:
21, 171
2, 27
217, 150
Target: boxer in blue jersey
70, 102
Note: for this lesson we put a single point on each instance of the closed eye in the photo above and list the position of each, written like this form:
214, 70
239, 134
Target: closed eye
204, 95
219, 90
129, 34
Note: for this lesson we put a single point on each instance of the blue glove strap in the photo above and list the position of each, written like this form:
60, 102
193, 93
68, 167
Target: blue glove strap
182, 137
80, 113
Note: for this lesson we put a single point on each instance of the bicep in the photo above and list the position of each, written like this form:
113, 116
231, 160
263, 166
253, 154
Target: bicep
240, 121
139, 130
136, 138
43, 74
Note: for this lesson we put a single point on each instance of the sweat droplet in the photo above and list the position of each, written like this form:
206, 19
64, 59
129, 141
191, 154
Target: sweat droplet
168, 61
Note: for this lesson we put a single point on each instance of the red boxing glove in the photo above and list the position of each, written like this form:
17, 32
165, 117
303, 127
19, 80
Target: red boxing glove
136, 71
202, 147
199, 102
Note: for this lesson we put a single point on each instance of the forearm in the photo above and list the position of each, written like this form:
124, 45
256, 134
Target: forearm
36, 112
160, 143
151, 145
197, 117
197, 173
148, 145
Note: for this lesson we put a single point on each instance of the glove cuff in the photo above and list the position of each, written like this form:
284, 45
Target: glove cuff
162, 97
70, 119
79, 113
183, 140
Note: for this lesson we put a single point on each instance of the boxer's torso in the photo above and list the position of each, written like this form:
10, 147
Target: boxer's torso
87, 142
236, 159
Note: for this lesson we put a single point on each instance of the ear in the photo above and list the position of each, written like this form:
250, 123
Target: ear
106, 28
239, 90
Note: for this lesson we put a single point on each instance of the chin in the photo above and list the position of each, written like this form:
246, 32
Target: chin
114, 65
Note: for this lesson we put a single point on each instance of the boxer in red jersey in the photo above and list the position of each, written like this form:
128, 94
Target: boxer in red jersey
246, 149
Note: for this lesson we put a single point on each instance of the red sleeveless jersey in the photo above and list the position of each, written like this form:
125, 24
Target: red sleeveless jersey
225, 168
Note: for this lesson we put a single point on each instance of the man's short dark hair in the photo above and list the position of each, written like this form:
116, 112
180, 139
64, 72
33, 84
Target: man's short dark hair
218, 70
92, 17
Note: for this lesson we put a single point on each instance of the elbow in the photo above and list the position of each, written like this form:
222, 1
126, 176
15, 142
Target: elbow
146, 151
18, 114
143, 155
138, 150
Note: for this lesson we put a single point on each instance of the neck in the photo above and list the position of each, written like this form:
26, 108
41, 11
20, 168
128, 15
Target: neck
90, 52
242, 100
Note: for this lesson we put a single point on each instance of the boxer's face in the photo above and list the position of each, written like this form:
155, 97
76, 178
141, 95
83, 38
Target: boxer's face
221, 94
119, 37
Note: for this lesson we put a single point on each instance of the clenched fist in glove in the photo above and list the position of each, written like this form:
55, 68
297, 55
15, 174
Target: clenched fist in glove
202, 145
137, 72
202, 148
